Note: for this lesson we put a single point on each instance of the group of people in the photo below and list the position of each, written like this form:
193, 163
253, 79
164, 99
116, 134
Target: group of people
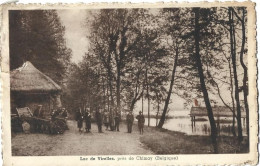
81, 117
59, 112
108, 120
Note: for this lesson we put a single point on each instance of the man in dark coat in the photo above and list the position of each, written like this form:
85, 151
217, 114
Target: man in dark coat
79, 119
88, 121
129, 120
64, 113
106, 119
117, 121
141, 121
99, 121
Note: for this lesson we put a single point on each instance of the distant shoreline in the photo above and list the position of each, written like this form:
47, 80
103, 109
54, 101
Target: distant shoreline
159, 116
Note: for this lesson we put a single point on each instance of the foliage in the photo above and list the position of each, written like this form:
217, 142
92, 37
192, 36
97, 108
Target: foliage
38, 36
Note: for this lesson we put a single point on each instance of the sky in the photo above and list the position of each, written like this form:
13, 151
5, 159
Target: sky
75, 32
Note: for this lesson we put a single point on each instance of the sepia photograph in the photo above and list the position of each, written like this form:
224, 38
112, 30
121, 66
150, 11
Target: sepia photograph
143, 81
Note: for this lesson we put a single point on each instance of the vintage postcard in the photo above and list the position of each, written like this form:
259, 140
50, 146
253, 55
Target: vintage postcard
129, 84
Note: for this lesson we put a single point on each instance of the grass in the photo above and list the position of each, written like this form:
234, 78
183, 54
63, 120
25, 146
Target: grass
163, 141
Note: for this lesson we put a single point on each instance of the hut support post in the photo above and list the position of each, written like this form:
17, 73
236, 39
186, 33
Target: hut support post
218, 125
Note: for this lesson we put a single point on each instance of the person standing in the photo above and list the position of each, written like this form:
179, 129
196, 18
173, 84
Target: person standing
130, 120
37, 112
54, 114
79, 119
117, 121
141, 121
64, 114
106, 119
88, 121
99, 121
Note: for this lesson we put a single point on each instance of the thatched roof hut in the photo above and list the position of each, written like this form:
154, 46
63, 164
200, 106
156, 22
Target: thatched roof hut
29, 79
30, 88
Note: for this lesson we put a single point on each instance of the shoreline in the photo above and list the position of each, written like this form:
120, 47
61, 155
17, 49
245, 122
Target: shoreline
164, 141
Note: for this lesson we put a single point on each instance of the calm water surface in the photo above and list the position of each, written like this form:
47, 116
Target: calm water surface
182, 122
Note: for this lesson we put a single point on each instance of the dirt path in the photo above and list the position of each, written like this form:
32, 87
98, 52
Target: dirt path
74, 143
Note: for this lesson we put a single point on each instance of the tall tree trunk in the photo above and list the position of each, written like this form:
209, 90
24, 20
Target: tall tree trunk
108, 105
158, 109
98, 103
148, 96
202, 81
245, 78
149, 109
233, 102
133, 102
118, 82
161, 122
232, 99
104, 93
143, 100
132, 105
111, 93
233, 57
137, 96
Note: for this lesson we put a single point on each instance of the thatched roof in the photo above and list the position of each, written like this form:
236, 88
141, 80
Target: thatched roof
29, 79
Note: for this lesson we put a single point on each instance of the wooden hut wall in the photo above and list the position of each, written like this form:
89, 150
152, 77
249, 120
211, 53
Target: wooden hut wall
31, 100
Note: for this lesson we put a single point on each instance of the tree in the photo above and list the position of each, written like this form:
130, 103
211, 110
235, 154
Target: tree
169, 92
242, 20
114, 33
152, 54
223, 78
173, 31
222, 20
233, 58
121, 39
85, 86
38, 36
202, 79
197, 61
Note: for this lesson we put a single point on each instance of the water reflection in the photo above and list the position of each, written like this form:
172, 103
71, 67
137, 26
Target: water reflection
183, 124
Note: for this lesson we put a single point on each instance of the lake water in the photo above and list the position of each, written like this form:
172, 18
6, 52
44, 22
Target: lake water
181, 122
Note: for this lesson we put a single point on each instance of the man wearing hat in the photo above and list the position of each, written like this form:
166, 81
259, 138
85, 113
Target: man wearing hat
141, 121
117, 121
130, 120
99, 120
